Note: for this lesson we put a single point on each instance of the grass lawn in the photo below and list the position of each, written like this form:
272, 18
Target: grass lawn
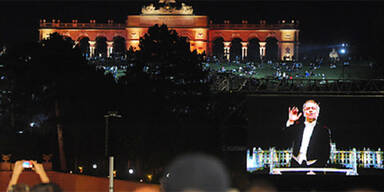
355, 70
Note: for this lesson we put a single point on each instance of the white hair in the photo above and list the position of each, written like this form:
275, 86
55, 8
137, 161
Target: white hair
312, 101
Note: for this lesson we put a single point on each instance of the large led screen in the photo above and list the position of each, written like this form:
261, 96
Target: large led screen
345, 132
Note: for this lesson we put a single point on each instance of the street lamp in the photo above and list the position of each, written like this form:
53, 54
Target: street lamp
107, 116
111, 169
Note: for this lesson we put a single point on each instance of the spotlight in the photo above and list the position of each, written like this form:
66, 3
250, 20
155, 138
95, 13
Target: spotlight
130, 171
342, 51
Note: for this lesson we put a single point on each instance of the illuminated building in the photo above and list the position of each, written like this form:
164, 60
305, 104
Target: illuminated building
260, 159
365, 158
201, 33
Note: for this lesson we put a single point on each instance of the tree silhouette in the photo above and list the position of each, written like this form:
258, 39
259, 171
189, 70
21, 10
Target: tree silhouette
167, 79
167, 58
271, 49
84, 46
218, 48
236, 49
101, 46
55, 78
119, 46
253, 50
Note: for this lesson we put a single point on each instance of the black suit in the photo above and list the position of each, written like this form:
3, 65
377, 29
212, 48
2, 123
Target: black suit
319, 143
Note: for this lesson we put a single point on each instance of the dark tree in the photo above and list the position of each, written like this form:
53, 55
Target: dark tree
119, 46
167, 79
84, 46
101, 46
53, 78
166, 57
235, 51
271, 49
253, 53
218, 48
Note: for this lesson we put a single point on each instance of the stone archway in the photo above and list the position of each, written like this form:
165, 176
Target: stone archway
101, 46
236, 49
253, 52
119, 45
272, 49
196, 27
218, 48
84, 46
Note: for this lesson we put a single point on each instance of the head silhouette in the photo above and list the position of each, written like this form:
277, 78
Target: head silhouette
196, 172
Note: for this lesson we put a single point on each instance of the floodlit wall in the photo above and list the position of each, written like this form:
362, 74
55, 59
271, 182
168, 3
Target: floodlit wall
74, 182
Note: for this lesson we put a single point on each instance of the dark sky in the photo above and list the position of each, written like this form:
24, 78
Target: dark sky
321, 22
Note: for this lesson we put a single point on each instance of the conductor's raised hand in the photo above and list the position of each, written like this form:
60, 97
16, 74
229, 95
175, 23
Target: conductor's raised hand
293, 114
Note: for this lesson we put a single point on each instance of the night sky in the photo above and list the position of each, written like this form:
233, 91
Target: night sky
321, 23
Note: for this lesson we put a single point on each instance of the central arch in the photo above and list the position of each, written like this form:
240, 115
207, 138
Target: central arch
218, 48
101, 46
84, 46
271, 52
119, 45
253, 53
235, 50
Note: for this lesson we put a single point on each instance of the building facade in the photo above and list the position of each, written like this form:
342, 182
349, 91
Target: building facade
200, 31
258, 159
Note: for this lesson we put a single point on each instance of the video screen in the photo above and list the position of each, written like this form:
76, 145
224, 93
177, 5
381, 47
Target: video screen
343, 134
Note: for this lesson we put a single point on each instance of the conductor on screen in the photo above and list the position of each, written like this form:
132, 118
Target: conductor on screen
310, 139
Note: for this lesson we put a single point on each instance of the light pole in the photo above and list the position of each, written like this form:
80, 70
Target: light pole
343, 52
107, 116
110, 170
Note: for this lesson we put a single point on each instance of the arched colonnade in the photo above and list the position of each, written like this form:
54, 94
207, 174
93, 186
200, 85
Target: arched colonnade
94, 42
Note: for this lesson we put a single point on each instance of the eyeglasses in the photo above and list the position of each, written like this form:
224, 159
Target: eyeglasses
308, 108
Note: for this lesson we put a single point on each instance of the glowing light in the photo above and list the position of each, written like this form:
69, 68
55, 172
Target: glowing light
94, 166
342, 51
149, 176
131, 171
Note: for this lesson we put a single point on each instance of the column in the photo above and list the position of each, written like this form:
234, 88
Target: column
92, 48
280, 53
296, 53
271, 158
354, 161
227, 47
75, 43
109, 48
262, 48
244, 49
